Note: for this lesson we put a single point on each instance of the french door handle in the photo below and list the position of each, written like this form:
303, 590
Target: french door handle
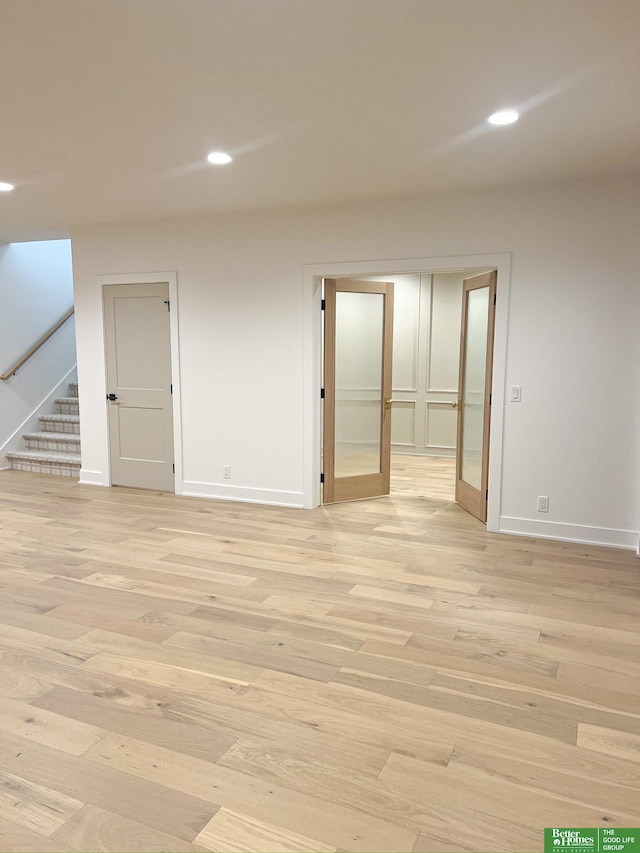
112, 397
457, 404
388, 402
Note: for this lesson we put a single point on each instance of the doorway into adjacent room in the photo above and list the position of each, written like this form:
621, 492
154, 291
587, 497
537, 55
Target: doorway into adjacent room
407, 386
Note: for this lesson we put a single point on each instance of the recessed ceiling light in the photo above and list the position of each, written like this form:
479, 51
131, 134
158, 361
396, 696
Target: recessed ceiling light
219, 158
6, 188
503, 117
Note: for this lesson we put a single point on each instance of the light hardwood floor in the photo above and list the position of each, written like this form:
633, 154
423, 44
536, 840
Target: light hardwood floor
180, 674
423, 476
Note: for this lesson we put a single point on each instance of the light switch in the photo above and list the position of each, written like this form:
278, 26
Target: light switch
516, 393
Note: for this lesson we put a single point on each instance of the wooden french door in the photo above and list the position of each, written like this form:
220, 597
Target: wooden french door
358, 341
474, 394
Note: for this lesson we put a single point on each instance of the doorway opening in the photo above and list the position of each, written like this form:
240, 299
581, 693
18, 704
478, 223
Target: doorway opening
426, 348
427, 325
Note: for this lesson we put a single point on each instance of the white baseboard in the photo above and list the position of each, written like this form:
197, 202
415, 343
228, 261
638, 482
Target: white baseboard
609, 536
222, 492
91, 478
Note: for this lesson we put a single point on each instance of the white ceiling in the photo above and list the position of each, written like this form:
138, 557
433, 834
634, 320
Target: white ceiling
109, 107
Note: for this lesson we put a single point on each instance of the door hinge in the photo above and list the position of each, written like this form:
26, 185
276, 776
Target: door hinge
495, 296
322, 393
490, 398
323, 304
167, 302
486, 495
322, 478
174, 467
171, 387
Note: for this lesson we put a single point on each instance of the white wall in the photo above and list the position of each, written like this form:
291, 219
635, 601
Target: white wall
36, 290
572, 338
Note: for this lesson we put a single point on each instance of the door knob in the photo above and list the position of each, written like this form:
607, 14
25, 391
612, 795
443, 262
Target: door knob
112, 397
387, 402
456, 404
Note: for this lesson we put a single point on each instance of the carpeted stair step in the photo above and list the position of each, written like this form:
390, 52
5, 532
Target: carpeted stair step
61, 423
42, 462
62, 442
67, 406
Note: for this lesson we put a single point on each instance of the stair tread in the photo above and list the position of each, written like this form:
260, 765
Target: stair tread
67, 400
71, 437
45, 456
71, 418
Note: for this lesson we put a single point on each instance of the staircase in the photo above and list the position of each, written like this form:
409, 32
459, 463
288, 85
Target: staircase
56, 448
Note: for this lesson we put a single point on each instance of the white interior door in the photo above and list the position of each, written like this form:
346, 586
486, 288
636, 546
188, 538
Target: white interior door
139, 404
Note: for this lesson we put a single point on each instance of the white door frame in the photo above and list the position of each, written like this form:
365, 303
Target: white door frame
170, 278
312, 367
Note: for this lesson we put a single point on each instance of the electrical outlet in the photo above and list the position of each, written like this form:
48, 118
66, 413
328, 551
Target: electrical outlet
543, 503
226, 472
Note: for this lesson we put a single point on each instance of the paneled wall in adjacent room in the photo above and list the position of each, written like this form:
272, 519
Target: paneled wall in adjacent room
426, 352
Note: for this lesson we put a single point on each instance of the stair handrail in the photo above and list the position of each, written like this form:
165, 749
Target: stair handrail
34, 349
